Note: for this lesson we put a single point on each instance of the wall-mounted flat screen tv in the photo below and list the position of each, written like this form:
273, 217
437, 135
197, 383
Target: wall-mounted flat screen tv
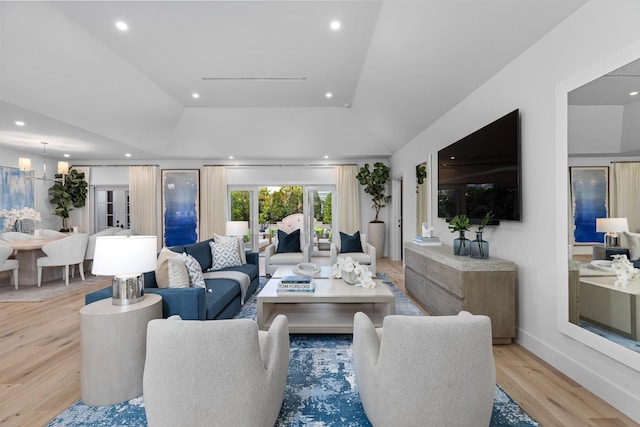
481, 172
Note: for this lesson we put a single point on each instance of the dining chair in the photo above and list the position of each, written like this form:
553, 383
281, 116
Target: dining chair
65, 252
9, 264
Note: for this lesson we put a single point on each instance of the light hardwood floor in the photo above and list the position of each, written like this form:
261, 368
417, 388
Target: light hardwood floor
40, 368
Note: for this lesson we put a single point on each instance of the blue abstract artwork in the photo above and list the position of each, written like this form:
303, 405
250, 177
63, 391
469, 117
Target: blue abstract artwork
16, 192
180, 206
589, 197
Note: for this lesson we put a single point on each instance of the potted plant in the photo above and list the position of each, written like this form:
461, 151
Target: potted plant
461, 244
375, 184
421, 175
480, 247
68, 192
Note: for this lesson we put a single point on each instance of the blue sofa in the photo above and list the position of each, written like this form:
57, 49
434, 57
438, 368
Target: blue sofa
221, 300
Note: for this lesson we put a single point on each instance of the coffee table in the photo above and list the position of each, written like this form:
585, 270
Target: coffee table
328, 310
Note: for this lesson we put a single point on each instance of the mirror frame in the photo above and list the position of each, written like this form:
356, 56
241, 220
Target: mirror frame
615, 351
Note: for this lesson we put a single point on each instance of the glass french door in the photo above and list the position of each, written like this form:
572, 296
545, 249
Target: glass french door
319, 214
243, 206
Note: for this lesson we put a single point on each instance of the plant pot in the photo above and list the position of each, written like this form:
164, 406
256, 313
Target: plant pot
376, 237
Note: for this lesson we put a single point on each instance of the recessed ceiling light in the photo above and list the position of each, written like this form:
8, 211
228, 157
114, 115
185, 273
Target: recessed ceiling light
128, 155
335, 25
326, 157
195, 95
122, 26
230, 157
634, 93
66, 155
328, 94
19, 123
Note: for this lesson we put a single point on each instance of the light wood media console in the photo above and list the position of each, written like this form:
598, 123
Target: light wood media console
445, 284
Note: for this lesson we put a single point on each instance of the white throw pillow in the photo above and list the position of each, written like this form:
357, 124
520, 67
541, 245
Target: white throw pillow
226, 239
195, 271
633, 240
225, 255
178, 273
162, 267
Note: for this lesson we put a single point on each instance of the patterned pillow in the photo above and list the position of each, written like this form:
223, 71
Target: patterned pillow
225, 255
225, 239
195, 271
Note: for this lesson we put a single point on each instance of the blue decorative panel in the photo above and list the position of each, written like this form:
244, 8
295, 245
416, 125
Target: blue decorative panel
180, 206
590, 200
16, 192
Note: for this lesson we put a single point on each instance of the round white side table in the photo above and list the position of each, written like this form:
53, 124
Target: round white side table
113, 342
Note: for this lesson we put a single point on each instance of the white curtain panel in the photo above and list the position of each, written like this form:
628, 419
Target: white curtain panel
625, 202
348, 192
143, 195
213, 206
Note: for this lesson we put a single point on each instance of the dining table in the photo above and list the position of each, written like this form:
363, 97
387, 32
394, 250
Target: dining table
27, 253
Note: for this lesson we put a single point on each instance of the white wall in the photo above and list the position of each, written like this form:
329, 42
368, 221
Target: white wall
595, 128
596, 31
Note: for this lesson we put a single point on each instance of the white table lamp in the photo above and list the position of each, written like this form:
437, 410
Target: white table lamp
237, 228
125, 258
611, 227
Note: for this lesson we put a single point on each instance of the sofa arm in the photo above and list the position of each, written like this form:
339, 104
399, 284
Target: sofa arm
253, 258
188, 303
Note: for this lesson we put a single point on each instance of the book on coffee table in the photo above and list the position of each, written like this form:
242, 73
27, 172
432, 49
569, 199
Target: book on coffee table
296, 284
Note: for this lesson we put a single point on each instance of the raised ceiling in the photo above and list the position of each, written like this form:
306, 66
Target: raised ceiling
262, 70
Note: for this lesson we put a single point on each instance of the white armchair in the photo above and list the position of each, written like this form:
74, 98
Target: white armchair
273, 259
9, 264
366, 257
53, 234
439, 368
65, 252
223, 373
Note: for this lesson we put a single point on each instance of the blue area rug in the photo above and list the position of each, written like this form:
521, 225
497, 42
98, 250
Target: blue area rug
611, 336
321, 389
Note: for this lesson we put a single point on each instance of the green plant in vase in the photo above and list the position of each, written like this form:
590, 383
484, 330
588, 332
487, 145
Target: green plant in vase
481, 247
68, 192
460, 223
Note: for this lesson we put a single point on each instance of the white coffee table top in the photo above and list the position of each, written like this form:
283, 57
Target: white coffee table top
327, 290
287, 270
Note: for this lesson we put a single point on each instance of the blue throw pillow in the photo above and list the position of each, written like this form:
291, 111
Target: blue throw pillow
350, 243
288, 242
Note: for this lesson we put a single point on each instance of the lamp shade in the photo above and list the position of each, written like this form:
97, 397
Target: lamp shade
237, 228
611, 225
24, 164
124, 255
63, 168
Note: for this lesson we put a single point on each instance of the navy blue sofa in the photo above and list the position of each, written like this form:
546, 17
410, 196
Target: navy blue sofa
221, 300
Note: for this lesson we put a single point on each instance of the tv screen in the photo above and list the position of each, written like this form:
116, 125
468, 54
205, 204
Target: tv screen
481, 172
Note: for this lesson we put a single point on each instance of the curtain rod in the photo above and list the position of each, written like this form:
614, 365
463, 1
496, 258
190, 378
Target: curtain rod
105, 166
306, 165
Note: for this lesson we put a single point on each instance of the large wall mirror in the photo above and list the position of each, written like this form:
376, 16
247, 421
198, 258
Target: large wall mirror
598, 123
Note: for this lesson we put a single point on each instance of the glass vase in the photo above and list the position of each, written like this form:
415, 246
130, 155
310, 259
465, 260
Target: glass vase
350, 277
479, 247
461, 245
18, 226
